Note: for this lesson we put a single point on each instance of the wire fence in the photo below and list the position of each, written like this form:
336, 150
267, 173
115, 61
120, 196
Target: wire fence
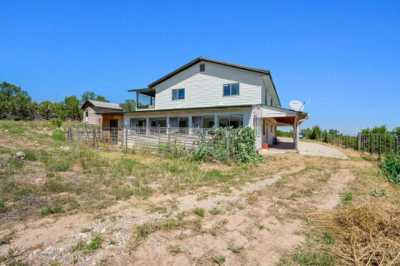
371, 143
142, 137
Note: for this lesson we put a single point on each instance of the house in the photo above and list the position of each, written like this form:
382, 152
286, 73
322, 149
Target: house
104, 114
206, 93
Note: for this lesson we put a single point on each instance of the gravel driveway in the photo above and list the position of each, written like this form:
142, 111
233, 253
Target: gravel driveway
307, 148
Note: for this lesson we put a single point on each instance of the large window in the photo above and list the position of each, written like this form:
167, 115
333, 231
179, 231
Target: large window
178, 94
234, 121
231, 89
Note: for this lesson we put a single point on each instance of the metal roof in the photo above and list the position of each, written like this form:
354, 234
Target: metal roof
106, 105
203, 59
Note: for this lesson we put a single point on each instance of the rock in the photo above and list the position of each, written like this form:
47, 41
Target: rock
20, 155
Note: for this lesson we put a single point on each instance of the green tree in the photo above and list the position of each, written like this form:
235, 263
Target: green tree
72, 108
15, 103
46, 110
129, 106
90, 95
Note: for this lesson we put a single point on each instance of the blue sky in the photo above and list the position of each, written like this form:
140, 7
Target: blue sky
340, 57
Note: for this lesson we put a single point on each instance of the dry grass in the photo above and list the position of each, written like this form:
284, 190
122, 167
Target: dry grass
365, 235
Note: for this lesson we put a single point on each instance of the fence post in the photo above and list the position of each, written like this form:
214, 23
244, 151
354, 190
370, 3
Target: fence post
126, 139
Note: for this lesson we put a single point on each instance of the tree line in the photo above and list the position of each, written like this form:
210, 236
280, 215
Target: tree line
16, 104
317, 133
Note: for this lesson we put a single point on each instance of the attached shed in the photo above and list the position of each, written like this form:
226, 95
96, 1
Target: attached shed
106, 115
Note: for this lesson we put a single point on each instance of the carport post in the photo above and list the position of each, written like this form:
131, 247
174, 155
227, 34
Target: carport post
296, 134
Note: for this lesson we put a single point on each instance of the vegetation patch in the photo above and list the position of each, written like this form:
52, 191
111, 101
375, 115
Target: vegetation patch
92, 245
391, 167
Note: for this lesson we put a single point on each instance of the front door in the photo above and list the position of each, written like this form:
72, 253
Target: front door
114, 131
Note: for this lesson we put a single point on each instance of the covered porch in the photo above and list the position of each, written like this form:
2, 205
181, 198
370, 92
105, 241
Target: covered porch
272, 118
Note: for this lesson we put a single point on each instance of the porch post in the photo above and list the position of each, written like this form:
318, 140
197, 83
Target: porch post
216, 121
168, 125
190, 118
147, 126
137, 100
296, 134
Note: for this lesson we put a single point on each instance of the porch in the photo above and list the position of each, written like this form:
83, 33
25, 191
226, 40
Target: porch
272, 118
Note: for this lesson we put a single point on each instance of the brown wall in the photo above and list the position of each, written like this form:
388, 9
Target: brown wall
108, 117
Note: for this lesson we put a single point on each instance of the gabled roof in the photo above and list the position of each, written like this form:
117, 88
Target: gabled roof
104, 105
203, 59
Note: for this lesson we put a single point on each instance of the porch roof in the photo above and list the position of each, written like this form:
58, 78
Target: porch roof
282, 115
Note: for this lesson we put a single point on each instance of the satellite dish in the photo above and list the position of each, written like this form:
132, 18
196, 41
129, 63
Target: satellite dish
296, 105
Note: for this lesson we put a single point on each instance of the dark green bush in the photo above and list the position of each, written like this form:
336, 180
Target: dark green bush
237, 144
391, 167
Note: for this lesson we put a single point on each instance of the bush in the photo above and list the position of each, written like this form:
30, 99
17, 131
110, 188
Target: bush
391, 167
236, 144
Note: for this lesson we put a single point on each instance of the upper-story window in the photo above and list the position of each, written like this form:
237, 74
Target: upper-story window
178, 94
231, 89
202, 67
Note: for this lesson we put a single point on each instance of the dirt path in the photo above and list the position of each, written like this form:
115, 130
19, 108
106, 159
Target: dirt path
252, 225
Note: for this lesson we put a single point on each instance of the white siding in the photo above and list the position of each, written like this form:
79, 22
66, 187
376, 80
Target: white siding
205, 89
91, 117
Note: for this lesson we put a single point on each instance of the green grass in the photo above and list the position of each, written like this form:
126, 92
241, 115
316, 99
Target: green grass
347, 197
199, 212
93, 245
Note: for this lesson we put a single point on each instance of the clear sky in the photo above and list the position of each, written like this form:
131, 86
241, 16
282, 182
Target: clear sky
341, 57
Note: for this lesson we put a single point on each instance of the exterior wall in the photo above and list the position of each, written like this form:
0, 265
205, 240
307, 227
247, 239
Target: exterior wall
90, 117
269, 95
269, 131
108, 117
204, 89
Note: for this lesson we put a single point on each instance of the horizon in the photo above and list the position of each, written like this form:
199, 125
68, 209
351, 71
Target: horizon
339, 58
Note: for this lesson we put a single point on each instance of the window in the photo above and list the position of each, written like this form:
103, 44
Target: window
202, 67
231, 89
178, 94
87, 113
234, 121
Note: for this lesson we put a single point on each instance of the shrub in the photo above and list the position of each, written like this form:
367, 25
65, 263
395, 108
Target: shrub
60, 164
57, 184
237, 144
391, 167
30, 155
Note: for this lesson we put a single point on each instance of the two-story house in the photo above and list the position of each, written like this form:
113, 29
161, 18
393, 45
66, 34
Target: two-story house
206, 93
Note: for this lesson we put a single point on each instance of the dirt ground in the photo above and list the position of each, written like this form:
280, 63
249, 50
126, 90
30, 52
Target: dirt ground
252, 224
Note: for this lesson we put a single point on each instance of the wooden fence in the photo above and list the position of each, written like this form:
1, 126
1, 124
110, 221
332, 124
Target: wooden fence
153, 137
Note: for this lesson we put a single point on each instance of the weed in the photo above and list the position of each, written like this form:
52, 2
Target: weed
234, 249
219, 260
30, 155
58, 164
93, 244
58, 135
199, 212
377, 193
174, 249
347, 198
328, 238
314, 258
48, 210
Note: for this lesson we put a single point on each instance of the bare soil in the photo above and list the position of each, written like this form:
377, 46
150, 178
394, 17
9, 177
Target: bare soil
251, 224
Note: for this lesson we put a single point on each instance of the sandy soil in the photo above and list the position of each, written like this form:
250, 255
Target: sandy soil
255, 224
